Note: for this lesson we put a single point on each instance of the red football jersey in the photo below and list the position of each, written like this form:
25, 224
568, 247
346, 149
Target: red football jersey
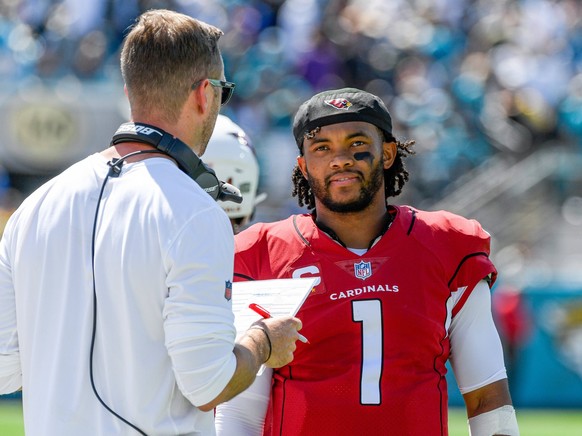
377, 323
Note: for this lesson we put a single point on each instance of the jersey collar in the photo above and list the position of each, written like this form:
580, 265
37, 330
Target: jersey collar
389, 219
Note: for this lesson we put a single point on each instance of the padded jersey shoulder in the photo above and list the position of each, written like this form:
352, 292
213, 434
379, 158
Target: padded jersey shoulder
456, 242
286, 232
443, 226
264, 250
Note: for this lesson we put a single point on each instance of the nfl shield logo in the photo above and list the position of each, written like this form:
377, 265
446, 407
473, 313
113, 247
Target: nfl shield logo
363, 270
228, 290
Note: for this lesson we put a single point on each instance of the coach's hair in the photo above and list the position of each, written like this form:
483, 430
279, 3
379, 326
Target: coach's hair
394, 177
162, 56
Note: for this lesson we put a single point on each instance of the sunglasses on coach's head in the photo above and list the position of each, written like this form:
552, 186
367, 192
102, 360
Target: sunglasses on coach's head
227, 88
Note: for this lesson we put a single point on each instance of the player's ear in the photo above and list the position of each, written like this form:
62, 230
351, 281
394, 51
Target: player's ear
390, 150
302, 165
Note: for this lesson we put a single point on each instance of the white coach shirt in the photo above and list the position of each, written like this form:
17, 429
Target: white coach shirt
164, 335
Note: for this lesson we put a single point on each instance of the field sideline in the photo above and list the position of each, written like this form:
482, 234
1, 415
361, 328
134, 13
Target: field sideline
531, 422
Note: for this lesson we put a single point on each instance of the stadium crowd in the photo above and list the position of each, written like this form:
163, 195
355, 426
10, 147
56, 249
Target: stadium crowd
466, 79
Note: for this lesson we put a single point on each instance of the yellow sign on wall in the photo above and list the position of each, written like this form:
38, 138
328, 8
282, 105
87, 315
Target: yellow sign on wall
44, 133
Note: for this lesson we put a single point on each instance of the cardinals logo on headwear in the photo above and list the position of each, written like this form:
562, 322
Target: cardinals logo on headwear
339, 103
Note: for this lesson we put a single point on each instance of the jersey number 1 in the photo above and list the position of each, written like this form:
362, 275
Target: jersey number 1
369, 313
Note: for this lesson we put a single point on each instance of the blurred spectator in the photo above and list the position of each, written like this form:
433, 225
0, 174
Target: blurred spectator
10, 198
470, 80
513, 321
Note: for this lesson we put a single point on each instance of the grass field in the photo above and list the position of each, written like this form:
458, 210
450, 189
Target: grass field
11, 418
531, 422
538, 422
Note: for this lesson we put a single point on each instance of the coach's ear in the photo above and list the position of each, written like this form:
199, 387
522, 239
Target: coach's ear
200, 97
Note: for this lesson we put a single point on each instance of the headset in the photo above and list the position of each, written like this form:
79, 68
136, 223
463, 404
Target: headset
189, 163
186, 159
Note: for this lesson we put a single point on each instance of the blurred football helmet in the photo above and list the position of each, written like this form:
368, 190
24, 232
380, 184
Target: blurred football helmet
232, 157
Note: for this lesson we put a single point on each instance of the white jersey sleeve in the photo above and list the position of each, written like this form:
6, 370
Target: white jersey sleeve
10, 371
476, 351
198, 318
244, 415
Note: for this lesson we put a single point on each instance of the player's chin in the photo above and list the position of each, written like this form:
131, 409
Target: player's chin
344, 193
345, 207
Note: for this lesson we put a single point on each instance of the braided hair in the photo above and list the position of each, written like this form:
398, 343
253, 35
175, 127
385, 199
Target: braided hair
395, 177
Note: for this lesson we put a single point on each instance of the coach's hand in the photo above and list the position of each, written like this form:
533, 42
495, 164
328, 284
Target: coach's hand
280, 335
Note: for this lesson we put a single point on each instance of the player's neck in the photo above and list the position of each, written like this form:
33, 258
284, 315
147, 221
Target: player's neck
354, 230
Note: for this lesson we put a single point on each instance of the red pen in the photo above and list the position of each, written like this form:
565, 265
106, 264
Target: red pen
265, 314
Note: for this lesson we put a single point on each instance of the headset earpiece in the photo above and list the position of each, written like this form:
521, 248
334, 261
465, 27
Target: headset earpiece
186, 159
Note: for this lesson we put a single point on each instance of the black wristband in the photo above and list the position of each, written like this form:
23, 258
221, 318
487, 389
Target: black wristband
258, 327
